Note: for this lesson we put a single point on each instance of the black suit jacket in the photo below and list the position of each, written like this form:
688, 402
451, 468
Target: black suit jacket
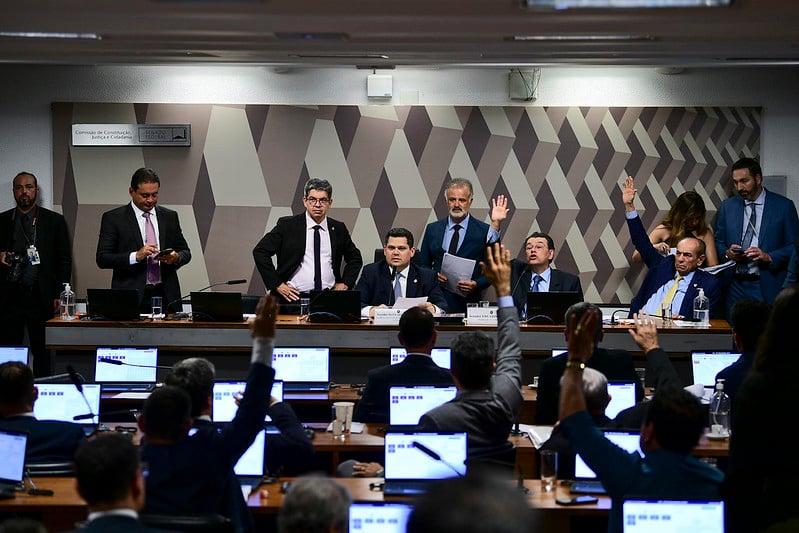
287, 241
521, 278
48, 440
120, 235
416, 369
377, 285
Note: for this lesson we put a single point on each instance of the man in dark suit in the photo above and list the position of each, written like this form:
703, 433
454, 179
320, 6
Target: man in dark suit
681, 269
299, 240
35, 253
378, 283
762, 254
462, 235
109, 477
48, 440
537, 275
748, 321
616, 365
132, 238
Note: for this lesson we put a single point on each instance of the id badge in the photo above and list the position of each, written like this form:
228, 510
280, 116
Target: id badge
33, 255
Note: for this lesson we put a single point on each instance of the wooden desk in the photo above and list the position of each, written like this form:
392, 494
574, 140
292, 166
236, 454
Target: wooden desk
58, 512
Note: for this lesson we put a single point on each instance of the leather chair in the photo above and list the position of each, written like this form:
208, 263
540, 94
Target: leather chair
500, 459
57, 468
213, 523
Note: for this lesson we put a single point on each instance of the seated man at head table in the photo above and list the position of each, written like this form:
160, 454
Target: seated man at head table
616, 365
314, 504
674, 280
48, 440
395, 277
194, 474
289, 452
672, 427
108, 475
537, 274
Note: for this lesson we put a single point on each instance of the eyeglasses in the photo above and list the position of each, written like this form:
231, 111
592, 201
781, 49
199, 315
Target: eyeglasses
317, 201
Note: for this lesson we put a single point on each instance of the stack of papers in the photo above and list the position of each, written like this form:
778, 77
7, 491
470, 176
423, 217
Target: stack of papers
538, 434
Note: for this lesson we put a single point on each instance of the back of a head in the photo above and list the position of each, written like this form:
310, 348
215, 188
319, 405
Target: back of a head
677, 417
777, 347
16, 385
105, 467
687, 209
473, 359
478, 503
195, 375
748, 318
595, 390
416, 327
577, 311
314, 505
166, 413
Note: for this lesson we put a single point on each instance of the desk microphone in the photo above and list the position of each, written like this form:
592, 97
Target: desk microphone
393, 281
110, 361
229, 282
78, 382
613, 317
433, 455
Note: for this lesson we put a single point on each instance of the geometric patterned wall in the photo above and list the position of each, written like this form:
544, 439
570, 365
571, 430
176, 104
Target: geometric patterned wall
560, 167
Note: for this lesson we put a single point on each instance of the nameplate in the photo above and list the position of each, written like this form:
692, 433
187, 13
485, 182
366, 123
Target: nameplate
388, 317
481, 316
131, 134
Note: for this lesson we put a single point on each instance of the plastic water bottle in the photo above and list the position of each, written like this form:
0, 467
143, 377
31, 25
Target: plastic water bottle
702, 308
720, 412
67, 303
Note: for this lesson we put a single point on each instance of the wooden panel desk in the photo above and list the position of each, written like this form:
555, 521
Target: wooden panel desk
58, 512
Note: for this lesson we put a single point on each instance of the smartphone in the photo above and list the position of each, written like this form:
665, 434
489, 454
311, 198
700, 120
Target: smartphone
576, 500
736, 249
164, 253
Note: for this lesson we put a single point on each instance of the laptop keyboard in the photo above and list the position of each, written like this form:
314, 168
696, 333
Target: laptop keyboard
127, 387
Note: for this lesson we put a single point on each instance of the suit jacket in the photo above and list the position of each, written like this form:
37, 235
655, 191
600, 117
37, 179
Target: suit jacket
283, 241
661, 270
52, 242
521, 278
107, 523
120, 235
376, 285
48, 440
473, 246
290, 452
415, 369
617, 365
779, 229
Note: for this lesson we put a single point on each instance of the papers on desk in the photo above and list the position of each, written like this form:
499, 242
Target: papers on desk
132, 396
718, 268
538, 434
357, 427
407, 303
456, 269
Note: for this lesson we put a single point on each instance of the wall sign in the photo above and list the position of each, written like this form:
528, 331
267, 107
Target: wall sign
131, 135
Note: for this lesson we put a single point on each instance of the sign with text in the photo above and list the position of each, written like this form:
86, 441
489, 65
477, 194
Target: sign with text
131, 135
481, 316
388, 316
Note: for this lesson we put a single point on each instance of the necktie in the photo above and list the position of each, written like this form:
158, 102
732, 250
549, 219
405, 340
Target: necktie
453, 243
153, 272
743, 267
669, 296
317, 258
537, 279
397, 288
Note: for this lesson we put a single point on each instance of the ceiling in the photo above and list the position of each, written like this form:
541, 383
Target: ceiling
375, 33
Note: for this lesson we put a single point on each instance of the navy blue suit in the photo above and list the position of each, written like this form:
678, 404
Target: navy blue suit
48, 440
376, 285
662, 270
521, 278
108, 523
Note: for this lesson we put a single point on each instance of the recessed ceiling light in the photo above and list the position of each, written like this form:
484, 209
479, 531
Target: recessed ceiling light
49, 35
573, 38
597, 4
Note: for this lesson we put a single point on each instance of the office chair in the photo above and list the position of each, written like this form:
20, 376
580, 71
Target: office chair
499, 459
52, 468
212, 523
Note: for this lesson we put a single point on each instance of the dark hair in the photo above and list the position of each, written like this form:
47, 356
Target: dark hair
398, 233
578, 310
314, 504
459, 182
748, 318
416, 327
105, 468
688, 207
166, 412
473, 359
777, 348
144, 175
749, 163
539, 235
195, 375
26, 173
16, 384
317, 184
677, 418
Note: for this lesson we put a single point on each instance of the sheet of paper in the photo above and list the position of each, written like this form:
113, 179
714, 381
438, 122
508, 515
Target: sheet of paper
718, 268
538, 434
456, 269
407, 303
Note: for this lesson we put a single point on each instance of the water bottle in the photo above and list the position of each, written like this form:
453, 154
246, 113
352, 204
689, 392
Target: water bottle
702, 308
720, 412
67, 303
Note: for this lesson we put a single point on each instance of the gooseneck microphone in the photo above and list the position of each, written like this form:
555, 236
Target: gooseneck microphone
212, 285
391, 297
433, 455
613, 321
110, 361
77, 380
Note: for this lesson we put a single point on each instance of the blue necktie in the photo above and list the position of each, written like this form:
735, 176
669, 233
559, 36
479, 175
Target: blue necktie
537, 279
397, 288
743, 267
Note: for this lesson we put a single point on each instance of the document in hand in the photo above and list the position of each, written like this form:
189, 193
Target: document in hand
456, 269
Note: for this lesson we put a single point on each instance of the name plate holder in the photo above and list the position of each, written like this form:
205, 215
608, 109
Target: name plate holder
481, 316
386, 316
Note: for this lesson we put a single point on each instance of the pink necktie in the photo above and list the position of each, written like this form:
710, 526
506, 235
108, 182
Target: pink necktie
153, 272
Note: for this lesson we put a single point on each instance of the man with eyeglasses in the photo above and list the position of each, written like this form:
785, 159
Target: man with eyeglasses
536, 273
310, 249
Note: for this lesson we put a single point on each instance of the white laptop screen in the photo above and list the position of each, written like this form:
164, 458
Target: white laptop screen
62, 401
408, 455
133, 365
705, 365
379, 517
558, 351
14, 353
641, 516
12, 450
408, 404
224, 402
309, 364
622, 396
441, 356
626, 441
252, 462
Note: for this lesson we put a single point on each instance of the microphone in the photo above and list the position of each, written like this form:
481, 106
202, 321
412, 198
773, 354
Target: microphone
520, 482
112, 413
393, 281
229, 282
521, 275
433, 455
77, 380
613, 317
110, 361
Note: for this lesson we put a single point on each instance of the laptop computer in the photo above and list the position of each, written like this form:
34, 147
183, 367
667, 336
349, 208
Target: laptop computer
216, 307
250, 467
113, 304
408, 404
224, 405
441, 356
302, 368
62, 401
706, 364
14, 353
585, 480
12, 468
558, 351
379, 517
126, 369
335, 306
549, 307
667, 516
622, 396
413, 460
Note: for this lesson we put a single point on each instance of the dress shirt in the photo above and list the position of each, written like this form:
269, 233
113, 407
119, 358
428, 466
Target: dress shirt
491, 236
303, 278
113, 512
140, 221
652, 305
366, 311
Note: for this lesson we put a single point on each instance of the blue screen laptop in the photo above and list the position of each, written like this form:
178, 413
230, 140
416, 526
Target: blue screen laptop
585, 480
668, 516
441, 356
414, 460
126, 369
379, 517
14, 353
302, 368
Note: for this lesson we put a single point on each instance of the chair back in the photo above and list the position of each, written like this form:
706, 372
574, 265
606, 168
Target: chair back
53, 468
212, 523
499, 459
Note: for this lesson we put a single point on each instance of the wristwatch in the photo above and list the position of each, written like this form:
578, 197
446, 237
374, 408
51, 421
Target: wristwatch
575, 363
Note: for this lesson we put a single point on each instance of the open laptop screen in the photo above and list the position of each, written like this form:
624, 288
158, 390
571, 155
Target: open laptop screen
441, 356
667, 516
124, 371
408, 404
626, 440
307, 364
705, 365
379, 517
12, 447
224, 402
622, 396
62, 401
407, 455
252, 462
14, 353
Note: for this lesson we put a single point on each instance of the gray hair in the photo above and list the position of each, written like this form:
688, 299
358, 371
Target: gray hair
314, 504
460, 182
318, 184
